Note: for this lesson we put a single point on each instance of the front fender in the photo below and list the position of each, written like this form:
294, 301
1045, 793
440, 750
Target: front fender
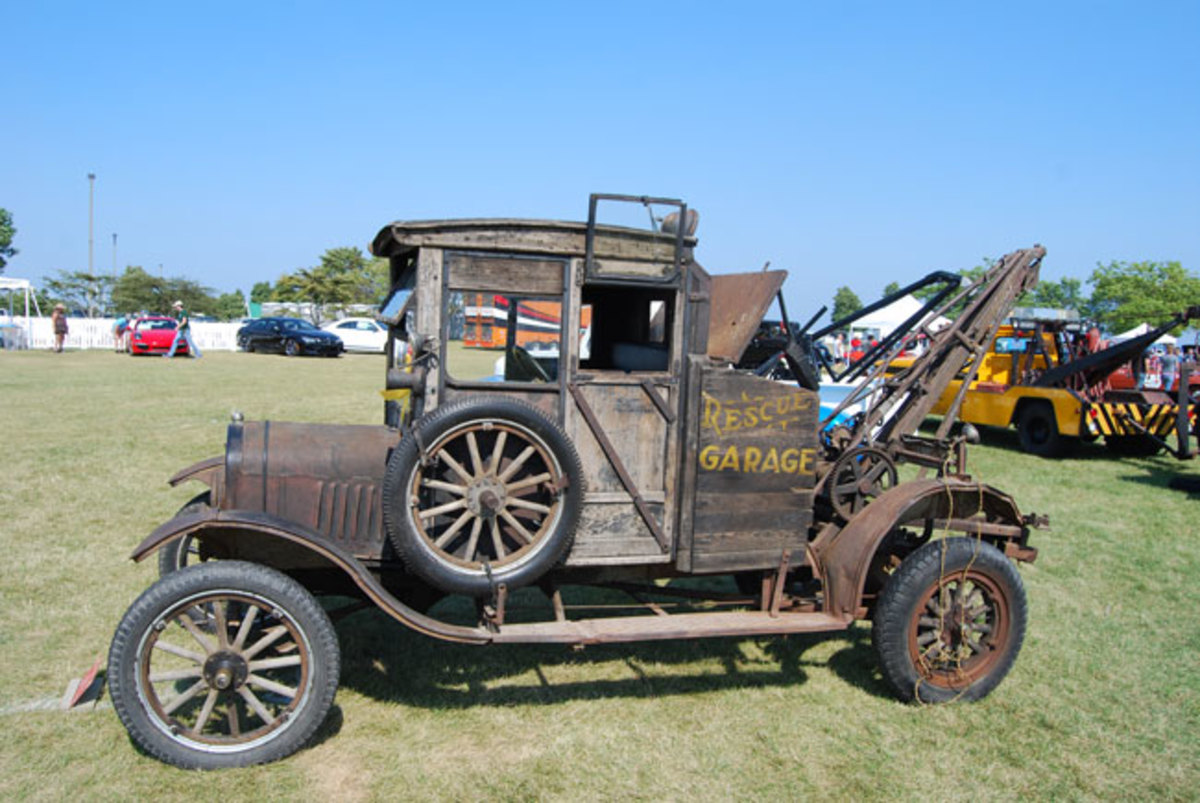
845, 558
241, 524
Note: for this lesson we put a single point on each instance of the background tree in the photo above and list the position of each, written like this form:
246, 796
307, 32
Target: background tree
7, 232
1066, 293
139, 291
845, 302
81, 291
344, 277
231, 306
260, 292
1125, 294
889, 288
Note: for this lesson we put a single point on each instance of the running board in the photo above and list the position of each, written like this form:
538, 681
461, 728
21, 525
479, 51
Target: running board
661, 628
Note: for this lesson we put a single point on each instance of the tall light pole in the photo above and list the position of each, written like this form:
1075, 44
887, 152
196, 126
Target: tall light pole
91, 219
114, 255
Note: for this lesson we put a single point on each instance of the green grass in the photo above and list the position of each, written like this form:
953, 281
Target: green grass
1103, 702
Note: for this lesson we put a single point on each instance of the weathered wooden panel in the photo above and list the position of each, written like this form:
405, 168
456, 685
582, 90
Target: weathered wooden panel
527, 236
640, 269
637, 431
503, 274
611, 534
756, 456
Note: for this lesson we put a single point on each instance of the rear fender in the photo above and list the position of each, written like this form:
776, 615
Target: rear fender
845, 557
238, 533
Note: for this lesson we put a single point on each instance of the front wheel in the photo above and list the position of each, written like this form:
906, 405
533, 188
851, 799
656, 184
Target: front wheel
950, 622
223, 665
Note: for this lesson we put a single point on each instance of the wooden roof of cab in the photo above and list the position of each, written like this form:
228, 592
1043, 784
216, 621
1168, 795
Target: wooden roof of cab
515, 236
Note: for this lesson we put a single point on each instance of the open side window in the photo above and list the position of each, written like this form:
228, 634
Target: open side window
630, 328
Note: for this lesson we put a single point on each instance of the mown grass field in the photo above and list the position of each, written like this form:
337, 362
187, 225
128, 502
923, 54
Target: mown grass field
1103, 702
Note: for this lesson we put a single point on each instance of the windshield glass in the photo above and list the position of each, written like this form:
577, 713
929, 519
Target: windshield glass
293, 325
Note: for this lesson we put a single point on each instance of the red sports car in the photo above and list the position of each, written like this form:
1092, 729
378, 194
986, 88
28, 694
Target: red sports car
153, 334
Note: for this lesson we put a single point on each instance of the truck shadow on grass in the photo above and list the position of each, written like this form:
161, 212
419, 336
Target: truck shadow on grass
387, 662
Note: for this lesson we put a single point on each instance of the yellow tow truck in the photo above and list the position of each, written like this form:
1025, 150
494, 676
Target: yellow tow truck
1048, 377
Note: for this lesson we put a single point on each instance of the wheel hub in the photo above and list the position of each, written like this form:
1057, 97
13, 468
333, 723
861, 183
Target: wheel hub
486, 497
225, 670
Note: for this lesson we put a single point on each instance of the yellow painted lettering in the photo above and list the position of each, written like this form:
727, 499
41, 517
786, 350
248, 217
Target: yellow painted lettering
753, 458
708, 458
771, 463
808, 458
730, 460
789, 461
732, 420
712, 413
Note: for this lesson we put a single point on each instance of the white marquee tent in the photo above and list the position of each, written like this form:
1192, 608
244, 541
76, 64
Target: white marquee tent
13, 286
1138, 331
884, 320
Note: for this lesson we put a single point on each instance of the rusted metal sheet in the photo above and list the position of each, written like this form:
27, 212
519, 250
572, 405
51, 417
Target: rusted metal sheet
738, 302
844, 554
757, 461
246, 529
324, 477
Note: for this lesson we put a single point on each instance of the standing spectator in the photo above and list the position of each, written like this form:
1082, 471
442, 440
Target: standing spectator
1170, 367
119, 329
1139, 371
183, 331
839, 349
1153, 378
59, 319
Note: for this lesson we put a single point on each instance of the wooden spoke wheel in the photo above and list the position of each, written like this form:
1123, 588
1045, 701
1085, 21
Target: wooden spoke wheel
492, 497
857, 478
223, 664
950, 621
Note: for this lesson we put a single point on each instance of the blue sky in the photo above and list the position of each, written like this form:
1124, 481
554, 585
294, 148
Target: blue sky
851, 143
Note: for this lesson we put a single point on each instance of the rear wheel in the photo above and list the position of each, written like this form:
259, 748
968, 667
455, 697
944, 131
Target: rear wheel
950, 622
223, 665
291, 348
1037, 429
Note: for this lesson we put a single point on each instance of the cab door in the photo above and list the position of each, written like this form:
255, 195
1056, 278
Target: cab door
623, 414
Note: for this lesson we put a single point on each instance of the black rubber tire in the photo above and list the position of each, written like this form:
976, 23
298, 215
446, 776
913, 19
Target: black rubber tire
1132, 445
181, 595
291, 348
1037, 429
899, 617
174, 555
523, 565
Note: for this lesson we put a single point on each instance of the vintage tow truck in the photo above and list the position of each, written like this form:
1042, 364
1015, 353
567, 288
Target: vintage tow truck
634, 457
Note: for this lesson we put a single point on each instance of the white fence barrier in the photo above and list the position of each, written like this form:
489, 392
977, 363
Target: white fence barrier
97, 333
